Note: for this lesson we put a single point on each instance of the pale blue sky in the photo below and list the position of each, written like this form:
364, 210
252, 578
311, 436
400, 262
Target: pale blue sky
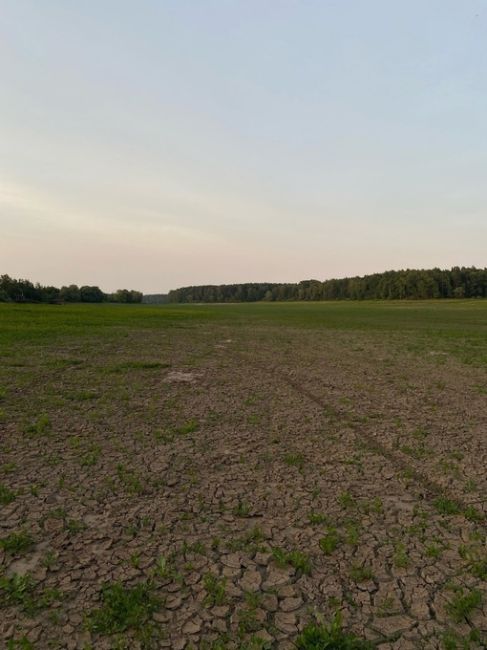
159, 144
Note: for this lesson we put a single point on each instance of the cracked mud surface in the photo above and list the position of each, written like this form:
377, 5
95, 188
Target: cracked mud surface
256, 479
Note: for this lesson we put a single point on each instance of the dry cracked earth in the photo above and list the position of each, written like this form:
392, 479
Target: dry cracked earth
210, 487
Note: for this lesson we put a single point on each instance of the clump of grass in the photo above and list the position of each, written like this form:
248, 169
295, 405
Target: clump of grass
454, 641
352, 534
472, 514
446, 506
123, 608
250, 541
16, 589
188, 427
316, 518
17, 543
400, 557
295, 460
297, 559
330, 637
74, 526
242, 509
40, 427
463, 604
19, 644
137, 365
6, 495
330, 541
91, 456
215, 590
433, 550
129, 479
346, 500
20, 590
361, 573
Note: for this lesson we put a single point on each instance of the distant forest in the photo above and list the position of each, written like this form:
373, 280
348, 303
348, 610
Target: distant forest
458, 282
25, 291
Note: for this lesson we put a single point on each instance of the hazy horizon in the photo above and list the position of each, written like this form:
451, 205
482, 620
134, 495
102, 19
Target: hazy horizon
159, 145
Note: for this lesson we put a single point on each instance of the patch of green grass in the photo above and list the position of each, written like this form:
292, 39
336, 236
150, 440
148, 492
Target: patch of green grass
330, 637
17, 543
242, 509
215, 590
470, 486
129, 479
451, 640
21, 591
463, 604
446, 506
329, 543
39, 427
418, 452
472, 514
16, 590
297, 559
433, 550
74, 526
19, 644
137, 365
6, 495
346, 500
316, 518
250, 542
123, 608
91, 456
188, 427
295, 460
361, 573
9, 468
400, 558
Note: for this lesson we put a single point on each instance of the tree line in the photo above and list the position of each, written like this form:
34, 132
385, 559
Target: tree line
12, 290
457, 282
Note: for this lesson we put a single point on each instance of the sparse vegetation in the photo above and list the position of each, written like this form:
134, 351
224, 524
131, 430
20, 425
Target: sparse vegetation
17, 543
123, 608
463, 604
215, 590
330, 637
315, 497
330, 541
297, 559
6, 495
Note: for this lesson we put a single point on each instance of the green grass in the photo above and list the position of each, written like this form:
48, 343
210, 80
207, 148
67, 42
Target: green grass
456, 327
22, 591
123, 608
19, 644
39, 427
6, 495
361, 573
463, 604
215, 590
330, 541
330, 637
446, 506
17, 543
297, 559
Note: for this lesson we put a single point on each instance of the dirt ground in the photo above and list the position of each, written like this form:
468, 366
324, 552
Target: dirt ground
251, 481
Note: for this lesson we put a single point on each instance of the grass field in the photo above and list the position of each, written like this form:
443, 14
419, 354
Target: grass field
233, 476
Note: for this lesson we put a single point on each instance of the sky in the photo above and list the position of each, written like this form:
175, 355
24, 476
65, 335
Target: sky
158, 144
